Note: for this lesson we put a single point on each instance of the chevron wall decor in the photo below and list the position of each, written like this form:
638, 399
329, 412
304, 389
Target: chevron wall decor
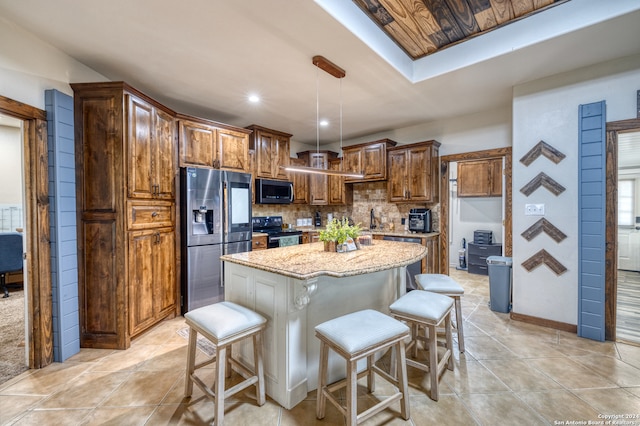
544, 258
544, 149
543, 225
542, 180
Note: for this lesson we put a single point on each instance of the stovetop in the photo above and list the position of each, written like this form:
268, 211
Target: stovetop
271, 225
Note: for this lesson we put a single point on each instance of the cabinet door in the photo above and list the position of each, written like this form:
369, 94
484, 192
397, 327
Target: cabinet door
352, 162
495, 166
140, 150
300, 183
164, 156
375, 161
397, 182
234, 150
419, 174
281, 157
264, 157
336, 194
474, 178
197, 145
318, 183
141, 280
164, 273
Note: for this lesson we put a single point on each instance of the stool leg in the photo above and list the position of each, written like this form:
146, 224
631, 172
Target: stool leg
219, 384
321, 399
227, 368
191, 359
258, 367
352, 393
401, 369
433, 361
371, 383
447, 326
459, 321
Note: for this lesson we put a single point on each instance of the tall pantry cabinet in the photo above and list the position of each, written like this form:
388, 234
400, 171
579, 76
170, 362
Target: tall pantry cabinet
125, 186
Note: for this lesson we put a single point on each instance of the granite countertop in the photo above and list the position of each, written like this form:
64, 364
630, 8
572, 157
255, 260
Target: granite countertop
305, 261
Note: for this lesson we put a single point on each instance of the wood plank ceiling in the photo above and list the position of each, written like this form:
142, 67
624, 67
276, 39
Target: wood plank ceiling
423, 27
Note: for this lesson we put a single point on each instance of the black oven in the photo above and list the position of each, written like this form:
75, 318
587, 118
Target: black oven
276, 236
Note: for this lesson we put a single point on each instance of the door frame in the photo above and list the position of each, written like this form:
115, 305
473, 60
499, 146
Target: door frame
38, 252
444, 197
611, 218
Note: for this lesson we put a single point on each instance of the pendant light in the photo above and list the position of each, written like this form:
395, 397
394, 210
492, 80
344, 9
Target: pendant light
324, 64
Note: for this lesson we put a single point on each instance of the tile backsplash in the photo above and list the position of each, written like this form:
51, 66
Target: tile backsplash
366, 196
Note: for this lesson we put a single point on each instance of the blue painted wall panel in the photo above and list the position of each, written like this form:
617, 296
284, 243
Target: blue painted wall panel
591, 223
66, 334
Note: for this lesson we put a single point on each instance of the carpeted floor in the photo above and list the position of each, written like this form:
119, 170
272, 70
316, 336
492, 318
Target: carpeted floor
12, 361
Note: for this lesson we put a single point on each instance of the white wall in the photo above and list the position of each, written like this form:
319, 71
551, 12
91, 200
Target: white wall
10, 166
548, 110
29, 66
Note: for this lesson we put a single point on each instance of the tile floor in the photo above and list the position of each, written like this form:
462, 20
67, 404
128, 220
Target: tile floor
511, 374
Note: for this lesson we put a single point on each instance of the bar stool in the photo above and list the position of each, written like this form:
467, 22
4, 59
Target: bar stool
444, 284
356, 336
421, 308
224, 324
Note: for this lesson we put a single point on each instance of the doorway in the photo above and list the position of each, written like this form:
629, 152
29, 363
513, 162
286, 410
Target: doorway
445, 163
622, 274
37, 263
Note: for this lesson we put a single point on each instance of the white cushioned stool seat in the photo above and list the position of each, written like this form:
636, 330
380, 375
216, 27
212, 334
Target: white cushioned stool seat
224, 324
356, 336
423, 309
444, 284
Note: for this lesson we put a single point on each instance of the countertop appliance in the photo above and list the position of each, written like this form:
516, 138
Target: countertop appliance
276, 236
215, 220
274, 191
420, 220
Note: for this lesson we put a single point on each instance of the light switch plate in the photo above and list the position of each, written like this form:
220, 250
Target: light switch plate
534, 209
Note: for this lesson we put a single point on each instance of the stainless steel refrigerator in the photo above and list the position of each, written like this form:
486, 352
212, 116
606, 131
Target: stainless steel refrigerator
216, 220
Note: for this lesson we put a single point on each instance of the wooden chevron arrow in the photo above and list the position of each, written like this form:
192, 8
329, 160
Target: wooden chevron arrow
542, 180
543, 225
542, 148
544, 258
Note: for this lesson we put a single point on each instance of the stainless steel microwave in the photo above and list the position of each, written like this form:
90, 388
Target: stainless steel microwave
273, 191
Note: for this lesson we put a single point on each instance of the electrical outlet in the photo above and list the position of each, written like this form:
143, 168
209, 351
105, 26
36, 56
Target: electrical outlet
534, 209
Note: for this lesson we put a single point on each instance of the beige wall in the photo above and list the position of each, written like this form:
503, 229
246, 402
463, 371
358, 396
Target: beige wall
10, 166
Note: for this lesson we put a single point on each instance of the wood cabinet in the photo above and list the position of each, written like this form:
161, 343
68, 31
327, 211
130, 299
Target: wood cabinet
259, 242
338, 192
318, 184
369, 159
480, 178
151, 276
414, 172
272, 153
125, 151
300, 182
310, 237
205, 143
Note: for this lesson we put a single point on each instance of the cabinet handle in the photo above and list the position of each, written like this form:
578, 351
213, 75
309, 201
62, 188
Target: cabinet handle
154, 214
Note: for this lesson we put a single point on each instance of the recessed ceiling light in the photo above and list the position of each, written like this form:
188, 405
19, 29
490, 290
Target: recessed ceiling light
254, 99
324, 122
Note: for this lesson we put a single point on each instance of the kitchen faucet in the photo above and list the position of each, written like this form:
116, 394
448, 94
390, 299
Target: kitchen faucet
372, 221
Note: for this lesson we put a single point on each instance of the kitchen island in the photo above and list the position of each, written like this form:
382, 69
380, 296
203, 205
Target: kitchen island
297, 288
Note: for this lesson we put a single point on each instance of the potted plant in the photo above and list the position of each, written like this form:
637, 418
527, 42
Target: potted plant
337, 232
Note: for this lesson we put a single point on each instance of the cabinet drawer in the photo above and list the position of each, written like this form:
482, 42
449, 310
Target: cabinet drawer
259, 243
146, 215
485, 249
475, 259
479, 269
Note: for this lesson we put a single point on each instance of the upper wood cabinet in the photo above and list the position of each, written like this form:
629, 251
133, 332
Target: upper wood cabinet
205, 143
480, 178
150, 150
318, 184
414, 172
339, 193
369, 159
300, 182
271, 152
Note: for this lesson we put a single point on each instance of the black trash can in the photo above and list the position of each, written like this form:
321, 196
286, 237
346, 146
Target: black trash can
499, 283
